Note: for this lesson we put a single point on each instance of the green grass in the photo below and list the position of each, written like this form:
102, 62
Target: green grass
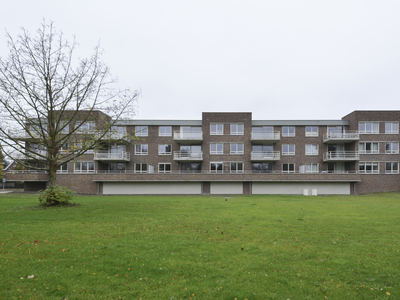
198, 247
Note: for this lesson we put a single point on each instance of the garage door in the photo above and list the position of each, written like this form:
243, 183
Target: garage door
151, 188
226, 188
296, 188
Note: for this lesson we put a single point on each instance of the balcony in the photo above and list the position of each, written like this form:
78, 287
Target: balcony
333, 156
260, 137
23, 135
265, 156
188, 137
188, 156
30, 156
112, 157
341, 137
116, 137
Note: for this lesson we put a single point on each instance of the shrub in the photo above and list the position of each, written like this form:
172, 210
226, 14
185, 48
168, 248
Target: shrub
56, 195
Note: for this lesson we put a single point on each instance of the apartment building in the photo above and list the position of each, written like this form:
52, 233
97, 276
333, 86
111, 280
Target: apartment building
230, 153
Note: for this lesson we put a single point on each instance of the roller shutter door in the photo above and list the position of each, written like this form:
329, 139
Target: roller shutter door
296, 188
151, 188
226, 188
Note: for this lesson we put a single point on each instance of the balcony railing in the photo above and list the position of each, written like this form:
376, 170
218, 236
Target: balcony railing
266, 136
188, 156
22, 134
107, 156
348, 136
38, 155
180, 136
116, 136
341, 156
265, 156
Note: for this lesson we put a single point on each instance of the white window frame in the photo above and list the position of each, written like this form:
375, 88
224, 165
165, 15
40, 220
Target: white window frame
216, 129
392, 170
395, 151
88, 168
216, 163
393, 129
289, 152
141, 171
288, 133
365, 164
311, 150
236, 171
371, 131
288, 168
160, 152
91, 125
141, 152
63, 169
364, 151
142, 130
312, 133
309, 168
164, 171
237, 151
214, 148
163, 132
237, 129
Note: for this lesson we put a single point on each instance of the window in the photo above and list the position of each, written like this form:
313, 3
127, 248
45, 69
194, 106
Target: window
261, 167
164, 168
237, 148
217, 129
368, 127
216, 148
392, 127
368, 148
141, 130
141, 149
64, 127
63, 169
287, 168
288, 149
165, 130
392, 148
368, 167
117, 167
84, 167
80, 146
188, 132
117, 132
85, 126
216, 167
392, 168
165, 149
311, 130
309, 168
264, 132
190, 167
236, 129
288, 131
311, 149
140, 168
236, 167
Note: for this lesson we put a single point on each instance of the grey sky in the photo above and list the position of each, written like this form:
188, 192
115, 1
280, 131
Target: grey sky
277, 59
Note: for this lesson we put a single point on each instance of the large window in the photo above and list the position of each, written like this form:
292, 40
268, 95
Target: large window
262, 132
164, 168
311, 149
165, 149
261, 167
217, 129
392, 167
392, 127
165, 131
309, 168
216, 167
117, 167
392, 148
85, 127
63, 169
237, 148
368, 167
236, 129
288, 149
288, 131
311, 131
368, 127
368, 148
141, 149
84, 167
140, 168
236, 167
141, 130
190, 167
287, 168
216, 148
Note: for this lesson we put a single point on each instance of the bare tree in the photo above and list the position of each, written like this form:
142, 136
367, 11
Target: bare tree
48, 98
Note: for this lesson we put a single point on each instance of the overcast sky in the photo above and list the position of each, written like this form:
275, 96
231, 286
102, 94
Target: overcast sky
276, 59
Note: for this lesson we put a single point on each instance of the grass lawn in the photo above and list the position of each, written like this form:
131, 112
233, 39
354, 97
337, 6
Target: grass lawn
201, 247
